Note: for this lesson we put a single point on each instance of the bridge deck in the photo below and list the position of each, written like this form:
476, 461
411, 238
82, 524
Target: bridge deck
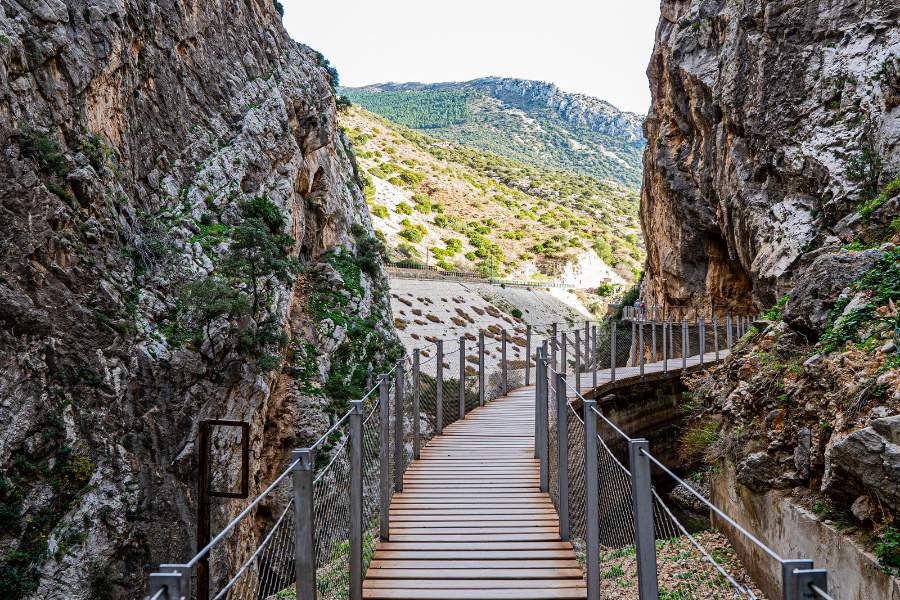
472, 522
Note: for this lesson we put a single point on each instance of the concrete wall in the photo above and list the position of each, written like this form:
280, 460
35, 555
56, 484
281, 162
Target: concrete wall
648, 410
794, 532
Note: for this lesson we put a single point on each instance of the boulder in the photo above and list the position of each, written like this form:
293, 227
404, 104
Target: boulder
819, 285
866, 462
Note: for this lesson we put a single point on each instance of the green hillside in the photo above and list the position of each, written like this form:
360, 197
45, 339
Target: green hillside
445, 204
530, 122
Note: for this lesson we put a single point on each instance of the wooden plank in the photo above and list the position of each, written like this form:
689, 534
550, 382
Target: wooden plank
548, 573
479, 555
480, 593
557, 563
469, 584
394, 546
471, 521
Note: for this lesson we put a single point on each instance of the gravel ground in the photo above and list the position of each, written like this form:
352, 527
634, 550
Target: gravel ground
683, 571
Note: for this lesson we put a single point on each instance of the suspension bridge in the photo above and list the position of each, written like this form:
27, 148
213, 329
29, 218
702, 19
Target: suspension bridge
448, 482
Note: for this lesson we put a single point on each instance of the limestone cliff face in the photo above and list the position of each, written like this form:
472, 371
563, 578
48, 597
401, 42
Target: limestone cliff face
771, 122
132, 132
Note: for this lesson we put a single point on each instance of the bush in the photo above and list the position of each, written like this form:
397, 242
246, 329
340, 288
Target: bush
454, 245
887, 549
413, 233
516, 313
380, 211
403, 208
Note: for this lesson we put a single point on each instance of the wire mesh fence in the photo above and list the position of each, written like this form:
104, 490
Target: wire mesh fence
256, 556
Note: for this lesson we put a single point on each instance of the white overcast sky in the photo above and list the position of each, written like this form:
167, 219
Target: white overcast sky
596, 47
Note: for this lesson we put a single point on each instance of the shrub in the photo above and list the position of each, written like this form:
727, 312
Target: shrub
774, 313
278, 7
380, 211
413, 233
516, 313
403, 208
887, 549
454, 245
244, 285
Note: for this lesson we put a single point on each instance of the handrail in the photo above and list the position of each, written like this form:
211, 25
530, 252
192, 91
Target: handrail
713, 507
403, 388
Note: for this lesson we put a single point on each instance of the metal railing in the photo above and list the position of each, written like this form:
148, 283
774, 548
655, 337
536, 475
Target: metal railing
413, 270
629, 533
322, 515
313, 529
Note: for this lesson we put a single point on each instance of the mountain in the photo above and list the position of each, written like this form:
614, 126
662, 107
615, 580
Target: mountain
444, 203
772, 181
532, 122
166, 174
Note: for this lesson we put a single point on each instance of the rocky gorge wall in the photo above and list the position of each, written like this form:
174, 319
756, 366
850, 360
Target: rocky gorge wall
772, 124
156, 155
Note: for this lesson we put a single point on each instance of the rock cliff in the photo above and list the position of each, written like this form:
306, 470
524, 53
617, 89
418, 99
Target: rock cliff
154, 155
774, 128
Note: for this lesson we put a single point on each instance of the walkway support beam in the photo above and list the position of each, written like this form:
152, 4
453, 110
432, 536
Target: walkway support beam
356, 498
562, 456
384, 454
305, 523
592, 498
644, 534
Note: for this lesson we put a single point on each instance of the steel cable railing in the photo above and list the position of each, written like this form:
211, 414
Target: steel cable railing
640, 541
259, 553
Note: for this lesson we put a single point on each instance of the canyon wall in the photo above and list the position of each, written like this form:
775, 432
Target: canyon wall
772, 123
141, 142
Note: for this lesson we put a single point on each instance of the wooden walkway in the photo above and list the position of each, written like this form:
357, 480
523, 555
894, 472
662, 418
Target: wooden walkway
471, 521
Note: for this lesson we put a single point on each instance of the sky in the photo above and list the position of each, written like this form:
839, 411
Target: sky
595, 47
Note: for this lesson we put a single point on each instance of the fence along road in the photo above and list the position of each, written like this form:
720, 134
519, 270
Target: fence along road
473, 487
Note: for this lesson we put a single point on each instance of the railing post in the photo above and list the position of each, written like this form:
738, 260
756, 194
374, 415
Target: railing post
587, 339
439, 390
528, 355
305, 522
632, 349
728, 332
653, 341
537, 404
416, 412
595, 358
644, 535
701, 334
562, 456
665, 347
790, 588
462, 378
545, 420
384, 458
481, 368
563, 346
612, 349
399, 393
806, 578
684, 343
356, 498
577, 361
503, 367
716, 336
554, 348
592, 498
175, 579
641, 347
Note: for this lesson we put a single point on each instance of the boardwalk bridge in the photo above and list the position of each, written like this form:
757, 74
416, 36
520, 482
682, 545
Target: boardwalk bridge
448, 482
